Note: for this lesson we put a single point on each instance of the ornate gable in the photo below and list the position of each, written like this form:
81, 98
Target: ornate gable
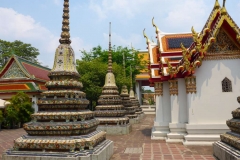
14, 71
223, 44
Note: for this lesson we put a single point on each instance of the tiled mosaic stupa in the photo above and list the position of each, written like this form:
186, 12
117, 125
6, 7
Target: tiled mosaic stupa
110, 111
229, 146
135, 102
127, 103
62, 127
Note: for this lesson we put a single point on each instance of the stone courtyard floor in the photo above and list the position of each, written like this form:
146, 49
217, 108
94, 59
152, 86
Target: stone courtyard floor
135, 146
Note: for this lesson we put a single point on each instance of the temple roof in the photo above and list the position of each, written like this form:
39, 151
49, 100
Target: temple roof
20, 68
178, 55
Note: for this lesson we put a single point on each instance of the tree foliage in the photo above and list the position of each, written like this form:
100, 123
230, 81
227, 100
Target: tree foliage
19, 109
93, 69
18, 48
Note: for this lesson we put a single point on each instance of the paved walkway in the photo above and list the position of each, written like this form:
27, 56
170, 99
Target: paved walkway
135, 146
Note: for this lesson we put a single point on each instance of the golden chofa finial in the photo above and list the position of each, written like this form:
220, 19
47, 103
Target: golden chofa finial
223, 10
65, 35
145, 36
154, 25
216, 5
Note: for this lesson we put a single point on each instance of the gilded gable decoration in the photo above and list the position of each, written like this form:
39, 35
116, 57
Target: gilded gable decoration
173, 87
14, 72
226, 85
222, 44
190, 83
158, 86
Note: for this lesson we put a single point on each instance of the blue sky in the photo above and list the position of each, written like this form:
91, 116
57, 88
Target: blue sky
38, 22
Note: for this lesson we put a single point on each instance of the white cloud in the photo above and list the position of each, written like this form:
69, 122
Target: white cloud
16, 26
122, 8
118, 40
186, 14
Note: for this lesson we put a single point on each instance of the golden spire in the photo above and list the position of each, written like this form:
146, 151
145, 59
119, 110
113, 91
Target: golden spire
216, 5
145, 36
154, 25
65, 35
110, 51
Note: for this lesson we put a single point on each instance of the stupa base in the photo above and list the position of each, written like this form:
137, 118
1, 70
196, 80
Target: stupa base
141, 116
115, 129
102, 151
134, 120
223, 151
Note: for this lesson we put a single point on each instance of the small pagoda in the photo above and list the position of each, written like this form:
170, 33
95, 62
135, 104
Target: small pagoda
63, 127
110, 111
135, 102
127, 103
229, 146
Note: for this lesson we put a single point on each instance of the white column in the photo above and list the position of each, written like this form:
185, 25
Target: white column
138, 91
161, 123
34, 103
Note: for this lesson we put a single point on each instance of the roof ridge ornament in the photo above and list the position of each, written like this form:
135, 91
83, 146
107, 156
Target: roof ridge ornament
110, 51
145, 36
216, 5
224, 10
154, 25
65, 35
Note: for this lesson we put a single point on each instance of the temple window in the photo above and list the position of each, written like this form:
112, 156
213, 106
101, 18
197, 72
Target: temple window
226, 85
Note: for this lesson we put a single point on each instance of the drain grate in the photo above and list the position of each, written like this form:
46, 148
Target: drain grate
133, 150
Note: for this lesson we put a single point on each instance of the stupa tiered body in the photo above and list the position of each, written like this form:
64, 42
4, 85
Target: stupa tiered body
127, 103
63, 127
136, 104
110, 111
229, 146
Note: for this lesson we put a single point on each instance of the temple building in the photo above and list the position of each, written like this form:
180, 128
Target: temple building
63, 128
23, 75
196, 77
110, 110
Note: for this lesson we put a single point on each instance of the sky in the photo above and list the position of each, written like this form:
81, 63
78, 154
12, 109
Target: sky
39, 22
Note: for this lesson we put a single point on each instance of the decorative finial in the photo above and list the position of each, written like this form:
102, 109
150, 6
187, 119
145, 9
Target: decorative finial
110, 51
65, 35
216, 5
224, 1
223, 10
154, 25
145, 36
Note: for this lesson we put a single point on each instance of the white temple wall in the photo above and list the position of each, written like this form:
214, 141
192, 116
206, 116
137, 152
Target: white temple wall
210, 107
210, 104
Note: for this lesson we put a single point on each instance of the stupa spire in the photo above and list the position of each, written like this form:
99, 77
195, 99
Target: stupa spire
65, 35
131, 77
224, 2
124, 68
110, 51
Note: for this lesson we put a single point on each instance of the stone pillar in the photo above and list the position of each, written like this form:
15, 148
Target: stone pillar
138, 86
34, 103
161, 123
178, 110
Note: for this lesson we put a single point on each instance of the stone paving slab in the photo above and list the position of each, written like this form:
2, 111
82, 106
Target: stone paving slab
138, 145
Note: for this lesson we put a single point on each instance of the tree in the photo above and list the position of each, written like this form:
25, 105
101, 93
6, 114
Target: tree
93, 69
18, 48
19, 109
132, 58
